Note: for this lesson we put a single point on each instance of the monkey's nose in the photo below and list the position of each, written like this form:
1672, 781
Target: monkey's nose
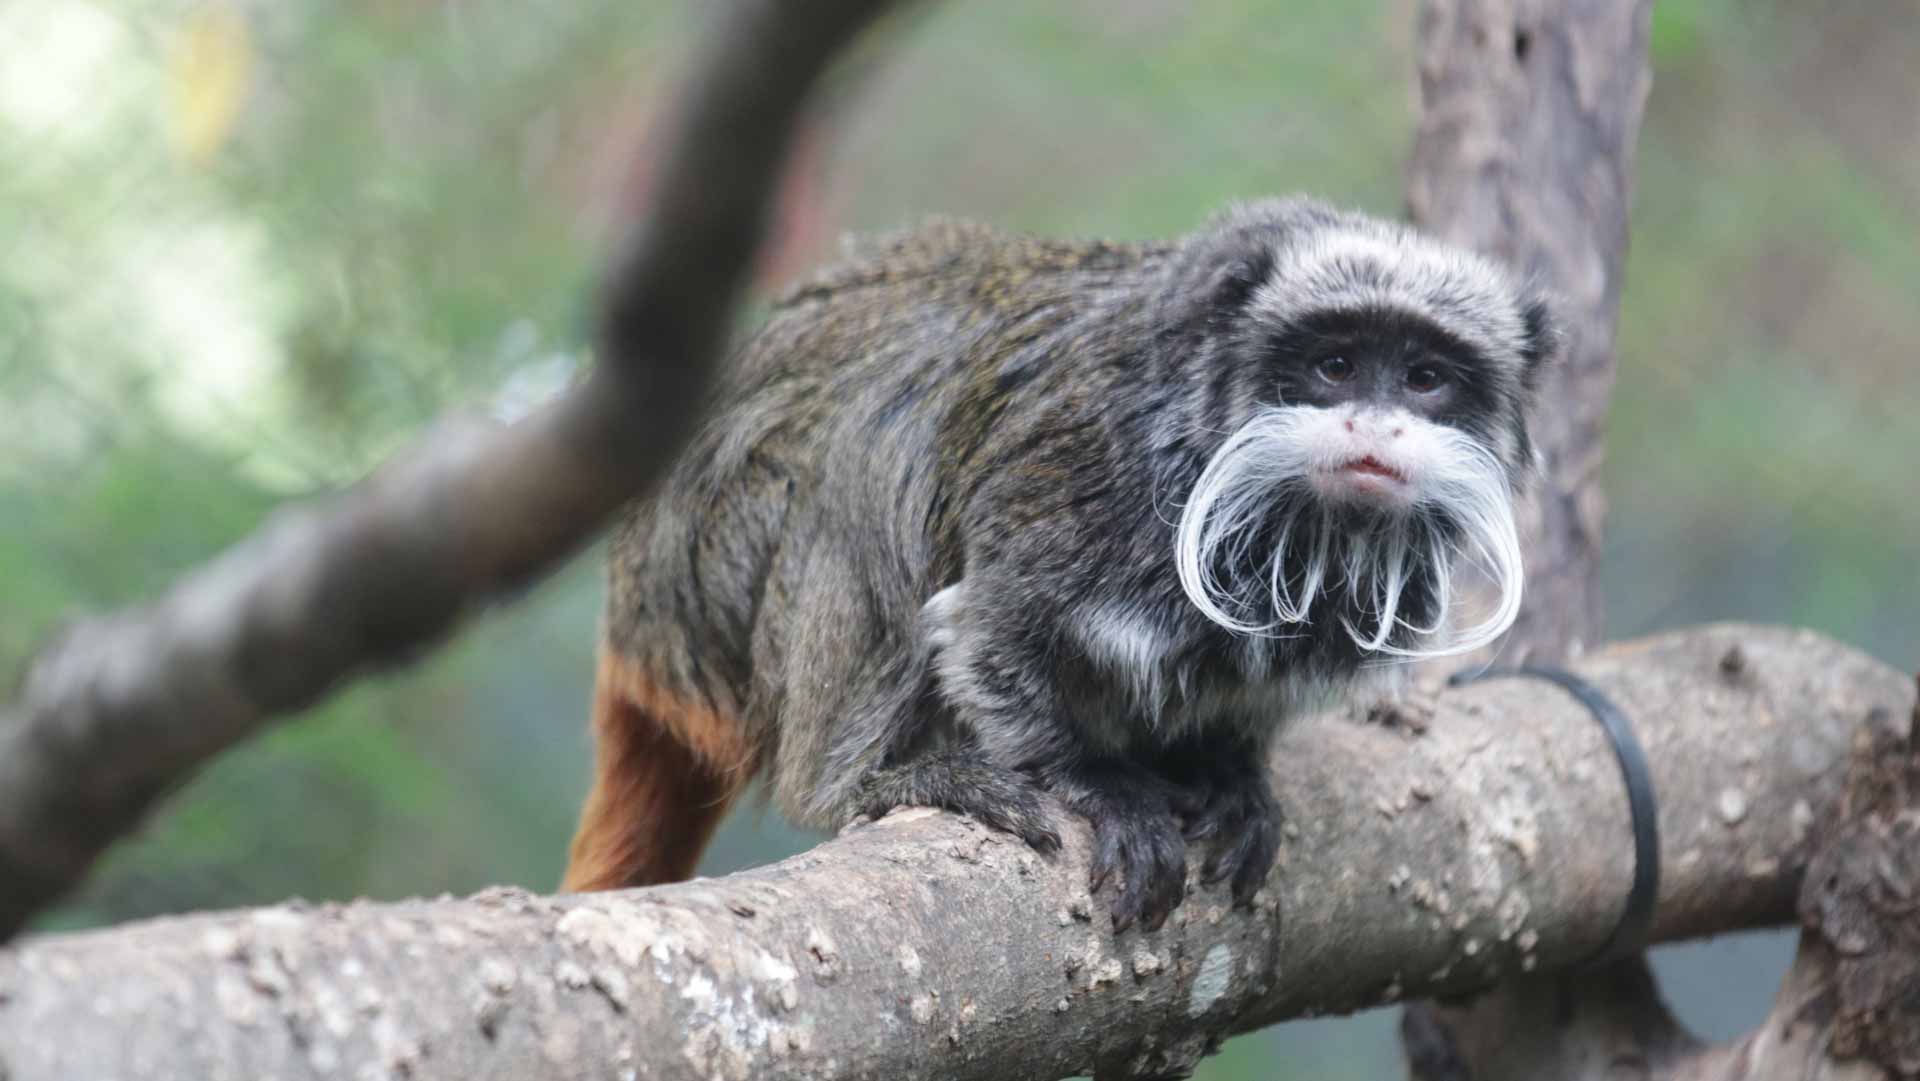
1381, 425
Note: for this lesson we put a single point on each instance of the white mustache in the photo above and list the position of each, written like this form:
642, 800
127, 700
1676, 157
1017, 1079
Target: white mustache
1259, 481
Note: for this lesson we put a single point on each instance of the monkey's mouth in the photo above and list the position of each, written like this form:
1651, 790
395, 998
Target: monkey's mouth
1370, 466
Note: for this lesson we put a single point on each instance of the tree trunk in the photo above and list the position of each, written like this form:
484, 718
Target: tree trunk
1530, 110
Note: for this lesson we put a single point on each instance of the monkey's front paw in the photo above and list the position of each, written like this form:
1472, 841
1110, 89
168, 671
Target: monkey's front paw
1137, 842
1242, 823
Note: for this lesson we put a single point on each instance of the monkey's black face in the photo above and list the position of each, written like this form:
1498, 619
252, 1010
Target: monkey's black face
1382, 361
1387, 376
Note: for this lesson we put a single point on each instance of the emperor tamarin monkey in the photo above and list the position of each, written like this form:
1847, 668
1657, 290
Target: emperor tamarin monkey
979, 517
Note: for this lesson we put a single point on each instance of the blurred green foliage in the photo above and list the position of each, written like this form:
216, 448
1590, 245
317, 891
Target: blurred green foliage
251, 248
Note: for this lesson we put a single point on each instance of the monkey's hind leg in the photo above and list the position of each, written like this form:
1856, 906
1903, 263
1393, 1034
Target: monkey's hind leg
665, 772
962, 779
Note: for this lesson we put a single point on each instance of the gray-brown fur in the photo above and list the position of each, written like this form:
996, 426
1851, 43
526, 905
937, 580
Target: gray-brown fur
1004, 427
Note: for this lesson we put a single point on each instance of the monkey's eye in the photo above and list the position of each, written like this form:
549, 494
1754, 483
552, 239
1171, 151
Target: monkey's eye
1335, 369
1424, 378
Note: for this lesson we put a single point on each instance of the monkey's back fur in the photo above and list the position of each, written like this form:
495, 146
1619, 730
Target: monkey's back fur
778, 577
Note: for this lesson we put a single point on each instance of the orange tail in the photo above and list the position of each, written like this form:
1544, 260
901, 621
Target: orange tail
665, 771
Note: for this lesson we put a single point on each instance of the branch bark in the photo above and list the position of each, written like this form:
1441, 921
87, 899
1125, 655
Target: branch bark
1849, 1009
1452, 840
122, 708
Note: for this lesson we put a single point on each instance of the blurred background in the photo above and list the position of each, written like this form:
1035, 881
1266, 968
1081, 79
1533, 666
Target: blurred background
248, 249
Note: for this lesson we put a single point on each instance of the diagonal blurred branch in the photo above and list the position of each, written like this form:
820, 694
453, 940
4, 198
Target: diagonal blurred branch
123, 707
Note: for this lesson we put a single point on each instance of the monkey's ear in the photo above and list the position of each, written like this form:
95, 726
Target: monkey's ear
1214, 282
1218, 269
1541, 337
1234, 282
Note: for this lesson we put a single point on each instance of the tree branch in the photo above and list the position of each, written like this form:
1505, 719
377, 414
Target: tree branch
1438, 844
1849, 1009
122, 708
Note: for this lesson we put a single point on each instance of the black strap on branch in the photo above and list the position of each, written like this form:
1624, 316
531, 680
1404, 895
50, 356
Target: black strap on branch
1636, 922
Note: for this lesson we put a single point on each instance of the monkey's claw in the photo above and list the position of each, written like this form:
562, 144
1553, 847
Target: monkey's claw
1137, 846
1242, 823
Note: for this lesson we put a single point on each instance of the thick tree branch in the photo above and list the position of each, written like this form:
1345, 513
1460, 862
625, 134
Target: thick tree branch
124, 707
1849, 1009
1436, 845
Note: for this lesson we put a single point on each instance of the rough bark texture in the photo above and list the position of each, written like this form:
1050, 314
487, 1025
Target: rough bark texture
1861, 910
1529, 114
122, 708
1437, 844
1849, 1009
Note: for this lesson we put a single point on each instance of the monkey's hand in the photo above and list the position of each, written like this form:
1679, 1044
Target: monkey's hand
1238, 817
1136, 837
960, 779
